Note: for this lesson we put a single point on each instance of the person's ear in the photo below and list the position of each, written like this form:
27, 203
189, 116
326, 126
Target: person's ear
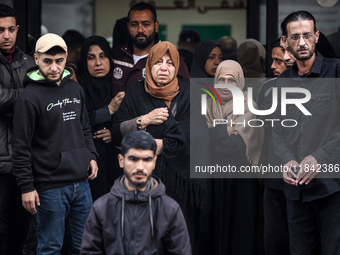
156, 26
317, 35
284, 41
35, 55
121, 160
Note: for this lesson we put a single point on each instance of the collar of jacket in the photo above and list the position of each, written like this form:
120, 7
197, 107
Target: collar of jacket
157, 189
67, 74
316, 68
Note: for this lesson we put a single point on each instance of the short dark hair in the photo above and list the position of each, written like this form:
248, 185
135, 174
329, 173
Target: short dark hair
138, 140
7, 11
73, 39
53, 51
296, 16
276, 43
141, 7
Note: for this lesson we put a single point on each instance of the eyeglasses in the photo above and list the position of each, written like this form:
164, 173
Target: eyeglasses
306, 37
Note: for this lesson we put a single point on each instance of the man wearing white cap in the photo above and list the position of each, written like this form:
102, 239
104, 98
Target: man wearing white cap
53, 151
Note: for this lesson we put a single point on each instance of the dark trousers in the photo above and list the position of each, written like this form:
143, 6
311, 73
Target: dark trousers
276, 238
14, 219
314, 227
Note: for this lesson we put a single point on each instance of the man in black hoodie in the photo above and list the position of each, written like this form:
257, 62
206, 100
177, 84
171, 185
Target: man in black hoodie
136, 217
53, 148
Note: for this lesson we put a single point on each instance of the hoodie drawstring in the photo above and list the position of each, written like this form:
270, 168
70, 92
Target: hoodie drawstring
123, 209
151, 216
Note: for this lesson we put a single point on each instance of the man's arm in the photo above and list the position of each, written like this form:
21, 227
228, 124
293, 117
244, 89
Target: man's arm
23, 130
7, 98
177, 240
92, 242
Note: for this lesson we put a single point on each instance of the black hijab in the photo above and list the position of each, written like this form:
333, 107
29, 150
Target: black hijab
325, 47
97, 90
200, 58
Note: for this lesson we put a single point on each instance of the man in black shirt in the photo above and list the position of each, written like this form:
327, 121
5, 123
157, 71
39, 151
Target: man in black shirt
310, 149
274, 201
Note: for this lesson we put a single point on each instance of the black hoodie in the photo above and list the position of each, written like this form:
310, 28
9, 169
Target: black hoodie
136, 222
52, 141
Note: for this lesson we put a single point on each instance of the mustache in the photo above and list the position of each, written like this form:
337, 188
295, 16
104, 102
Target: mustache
138, 35
139, 172
302, 48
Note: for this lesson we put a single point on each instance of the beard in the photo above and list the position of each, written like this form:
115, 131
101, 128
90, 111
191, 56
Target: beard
143, 44
46, 77
137, 185
289, 63
304, 57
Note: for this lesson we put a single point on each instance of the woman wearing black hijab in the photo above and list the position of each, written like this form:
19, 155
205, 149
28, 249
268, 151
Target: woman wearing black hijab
208, 55
94, 74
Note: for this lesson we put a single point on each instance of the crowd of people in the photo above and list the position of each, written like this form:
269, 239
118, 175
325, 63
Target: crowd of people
96, 145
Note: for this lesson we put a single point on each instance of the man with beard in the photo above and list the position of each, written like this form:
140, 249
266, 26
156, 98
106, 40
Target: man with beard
311, 149
136, 217
53, 148
13, 66
274, 201
129, 59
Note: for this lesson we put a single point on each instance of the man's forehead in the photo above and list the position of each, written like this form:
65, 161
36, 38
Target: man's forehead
277, 51
56, 56
141, 153
7, 22
144, 15
300, 27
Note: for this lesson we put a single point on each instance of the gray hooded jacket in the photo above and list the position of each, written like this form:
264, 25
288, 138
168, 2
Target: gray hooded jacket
136, 222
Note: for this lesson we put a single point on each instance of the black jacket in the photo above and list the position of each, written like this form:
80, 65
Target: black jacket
11, 79
135, 222
52, 140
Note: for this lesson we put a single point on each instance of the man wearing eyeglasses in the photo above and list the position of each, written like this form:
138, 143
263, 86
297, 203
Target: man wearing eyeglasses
310, 151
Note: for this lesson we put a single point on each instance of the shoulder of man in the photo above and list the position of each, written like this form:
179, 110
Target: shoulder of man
119, 50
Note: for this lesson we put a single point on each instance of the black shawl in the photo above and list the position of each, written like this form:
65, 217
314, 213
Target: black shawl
200, 58
97, 90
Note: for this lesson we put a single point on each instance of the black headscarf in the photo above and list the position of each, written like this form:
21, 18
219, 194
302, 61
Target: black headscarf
97, 90
325, 47
200, 58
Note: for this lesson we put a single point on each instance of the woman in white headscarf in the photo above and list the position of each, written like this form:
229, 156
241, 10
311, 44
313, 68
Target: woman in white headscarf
235, 199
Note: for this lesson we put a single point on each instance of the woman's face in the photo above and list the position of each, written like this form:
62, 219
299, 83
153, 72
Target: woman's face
98, 63
163, 71
214, 59
225, 94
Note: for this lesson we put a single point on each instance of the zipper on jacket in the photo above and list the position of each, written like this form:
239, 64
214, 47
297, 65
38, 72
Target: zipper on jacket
133, 232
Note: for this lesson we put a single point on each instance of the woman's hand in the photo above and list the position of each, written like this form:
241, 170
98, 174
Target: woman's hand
230, 130
155, 117
159, 143
105, 134
115, 102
